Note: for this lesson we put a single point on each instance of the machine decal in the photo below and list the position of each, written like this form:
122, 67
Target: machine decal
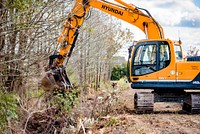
161, 78
196, 82
112, 10
195, 67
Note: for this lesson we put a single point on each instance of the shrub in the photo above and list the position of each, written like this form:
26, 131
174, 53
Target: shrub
65, 101
8, 109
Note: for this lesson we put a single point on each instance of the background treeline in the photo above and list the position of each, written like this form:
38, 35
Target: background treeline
28, 35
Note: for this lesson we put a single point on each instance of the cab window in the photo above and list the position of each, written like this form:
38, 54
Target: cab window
151, 57
178, 52
164, 56
145, 59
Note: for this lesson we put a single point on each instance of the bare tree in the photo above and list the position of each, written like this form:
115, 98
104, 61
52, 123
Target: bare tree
99, 39
28, 35
193, 51
29, 31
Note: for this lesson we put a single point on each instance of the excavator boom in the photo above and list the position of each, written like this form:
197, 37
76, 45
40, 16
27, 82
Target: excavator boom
125, 12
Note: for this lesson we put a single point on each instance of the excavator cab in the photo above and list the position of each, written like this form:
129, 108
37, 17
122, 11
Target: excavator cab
150, 57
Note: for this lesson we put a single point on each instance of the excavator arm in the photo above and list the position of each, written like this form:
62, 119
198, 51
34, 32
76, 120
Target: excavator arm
127, 12
138, 17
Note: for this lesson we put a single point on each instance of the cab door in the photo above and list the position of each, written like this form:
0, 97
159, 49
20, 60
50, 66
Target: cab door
145, 61
166, 68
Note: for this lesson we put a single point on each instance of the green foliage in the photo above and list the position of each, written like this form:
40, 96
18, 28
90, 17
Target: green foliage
119, 71
106, 85
122, 84
65, 101
73, 76
112, 121
90, 30
8, 109
22, 5
22, 12
35, 93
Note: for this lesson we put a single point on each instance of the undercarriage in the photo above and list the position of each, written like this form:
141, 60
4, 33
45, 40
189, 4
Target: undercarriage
190, 100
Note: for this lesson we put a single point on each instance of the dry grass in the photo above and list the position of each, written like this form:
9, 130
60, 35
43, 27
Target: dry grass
120, 119
111, 111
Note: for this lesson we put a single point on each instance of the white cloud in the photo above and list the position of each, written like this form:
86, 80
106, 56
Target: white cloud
189, 37
170, 12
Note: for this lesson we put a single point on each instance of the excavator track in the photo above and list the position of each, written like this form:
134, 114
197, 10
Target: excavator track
143, 102
191, 103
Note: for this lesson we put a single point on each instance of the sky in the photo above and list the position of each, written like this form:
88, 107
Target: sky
179, 18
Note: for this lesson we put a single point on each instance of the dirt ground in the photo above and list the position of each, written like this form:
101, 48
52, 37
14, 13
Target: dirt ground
113, 113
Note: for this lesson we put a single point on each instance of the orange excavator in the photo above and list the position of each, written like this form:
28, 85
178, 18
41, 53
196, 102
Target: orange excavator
154, 63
